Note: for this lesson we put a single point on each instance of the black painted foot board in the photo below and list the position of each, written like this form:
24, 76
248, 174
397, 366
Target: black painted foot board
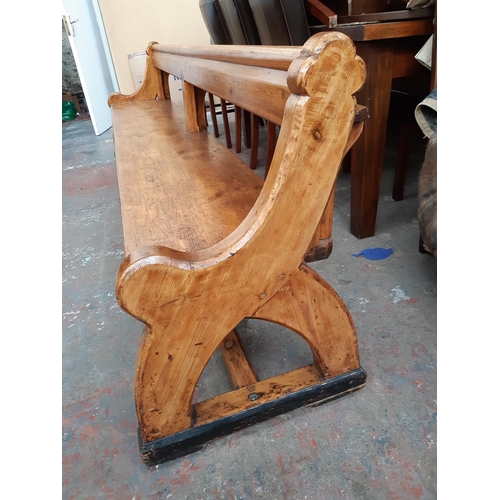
188, 441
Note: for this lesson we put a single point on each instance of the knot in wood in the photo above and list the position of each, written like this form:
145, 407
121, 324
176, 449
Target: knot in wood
317, 134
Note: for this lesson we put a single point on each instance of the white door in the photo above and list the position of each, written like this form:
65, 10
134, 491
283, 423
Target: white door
90, 48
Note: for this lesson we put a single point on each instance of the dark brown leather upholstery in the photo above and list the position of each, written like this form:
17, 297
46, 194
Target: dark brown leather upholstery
239, 20
214, 22
280, 22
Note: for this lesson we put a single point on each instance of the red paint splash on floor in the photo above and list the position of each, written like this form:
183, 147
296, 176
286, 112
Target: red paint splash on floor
182, 475
87, 180
307, 439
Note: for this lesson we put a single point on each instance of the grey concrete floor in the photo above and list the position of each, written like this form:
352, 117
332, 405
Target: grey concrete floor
378, 443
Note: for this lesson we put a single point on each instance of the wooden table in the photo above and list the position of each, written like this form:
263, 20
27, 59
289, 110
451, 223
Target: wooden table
388, 49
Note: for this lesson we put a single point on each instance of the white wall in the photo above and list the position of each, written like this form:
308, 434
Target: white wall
131, 24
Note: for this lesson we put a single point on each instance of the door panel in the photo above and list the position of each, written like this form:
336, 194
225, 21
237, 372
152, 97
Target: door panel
88, 41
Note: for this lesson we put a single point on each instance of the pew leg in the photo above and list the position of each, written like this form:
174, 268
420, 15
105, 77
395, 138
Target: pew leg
213, 114
254, 149
237, 119
170, 360
170, 363
308, 305
271, 144
247, 135
225, 119
322, 242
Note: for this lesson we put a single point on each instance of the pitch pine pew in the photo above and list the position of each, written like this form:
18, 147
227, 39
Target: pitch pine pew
208, 243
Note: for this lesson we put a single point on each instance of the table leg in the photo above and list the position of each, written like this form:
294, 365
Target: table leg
367, 154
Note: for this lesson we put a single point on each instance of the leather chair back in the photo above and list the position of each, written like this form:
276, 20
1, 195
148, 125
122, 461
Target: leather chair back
239, 20
280, 22
215, 23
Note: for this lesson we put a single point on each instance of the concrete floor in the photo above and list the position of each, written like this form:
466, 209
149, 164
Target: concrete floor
378, 443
